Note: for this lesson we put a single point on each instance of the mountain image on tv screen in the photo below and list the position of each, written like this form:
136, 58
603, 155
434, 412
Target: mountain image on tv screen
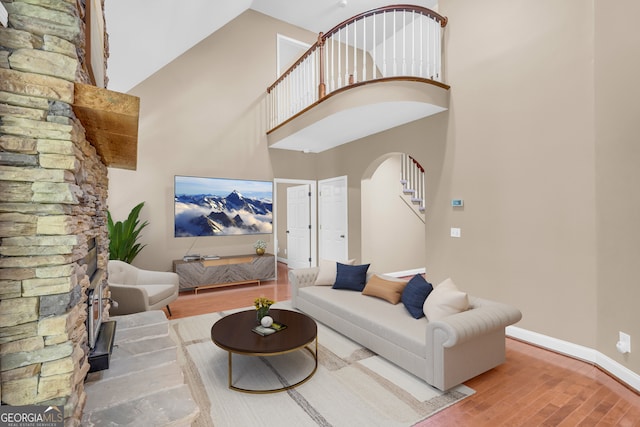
222, 207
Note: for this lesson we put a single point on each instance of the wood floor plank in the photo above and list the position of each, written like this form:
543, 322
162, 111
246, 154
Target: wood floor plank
533, 387
631, 418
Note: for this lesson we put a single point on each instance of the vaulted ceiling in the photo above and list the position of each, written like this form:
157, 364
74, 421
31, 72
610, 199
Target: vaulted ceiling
145, 35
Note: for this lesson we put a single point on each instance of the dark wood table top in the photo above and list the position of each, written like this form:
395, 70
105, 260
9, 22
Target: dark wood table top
234, 333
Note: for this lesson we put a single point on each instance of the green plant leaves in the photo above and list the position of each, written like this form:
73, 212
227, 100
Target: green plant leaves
123, 236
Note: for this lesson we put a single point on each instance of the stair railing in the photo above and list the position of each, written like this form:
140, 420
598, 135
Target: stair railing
392, 42
413, 186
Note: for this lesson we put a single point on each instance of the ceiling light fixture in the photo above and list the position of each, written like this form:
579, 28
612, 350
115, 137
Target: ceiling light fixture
342, 3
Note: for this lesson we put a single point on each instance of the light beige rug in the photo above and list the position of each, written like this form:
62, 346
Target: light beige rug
352, 386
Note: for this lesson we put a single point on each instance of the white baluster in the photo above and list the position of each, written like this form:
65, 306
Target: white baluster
339, 59
429, 49
346, 55
329, 62
413, 43
395, 58
434, 41
296, 88
303, 84
404, 43
421, 74
364, 50
404, 167
384, 44
355, 51
373, 48
438, 50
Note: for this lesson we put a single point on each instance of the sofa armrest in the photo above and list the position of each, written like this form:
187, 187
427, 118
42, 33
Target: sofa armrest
130, 299
483, 317
302, 277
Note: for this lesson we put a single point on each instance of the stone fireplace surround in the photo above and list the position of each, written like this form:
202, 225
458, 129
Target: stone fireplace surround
53, 192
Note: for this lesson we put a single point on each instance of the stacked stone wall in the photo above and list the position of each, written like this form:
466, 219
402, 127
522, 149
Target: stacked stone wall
53, 192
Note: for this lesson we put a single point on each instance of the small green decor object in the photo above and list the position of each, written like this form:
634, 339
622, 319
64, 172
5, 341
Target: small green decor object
262, 306
260, 247
123, 236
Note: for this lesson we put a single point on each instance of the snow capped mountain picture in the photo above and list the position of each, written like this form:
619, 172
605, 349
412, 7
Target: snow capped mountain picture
222, 207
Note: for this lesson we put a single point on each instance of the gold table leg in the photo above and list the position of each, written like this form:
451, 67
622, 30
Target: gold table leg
313, 353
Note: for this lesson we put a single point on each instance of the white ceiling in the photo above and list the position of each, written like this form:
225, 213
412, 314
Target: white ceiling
146, 35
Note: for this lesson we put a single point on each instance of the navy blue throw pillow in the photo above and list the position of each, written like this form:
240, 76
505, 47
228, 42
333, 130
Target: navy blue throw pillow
414, 295
351, 277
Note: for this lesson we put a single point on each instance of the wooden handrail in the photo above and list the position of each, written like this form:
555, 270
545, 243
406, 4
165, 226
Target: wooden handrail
293, 67
418, 165
323, 36
401, 7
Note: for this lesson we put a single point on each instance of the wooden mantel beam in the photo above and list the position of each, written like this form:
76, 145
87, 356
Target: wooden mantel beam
111, 123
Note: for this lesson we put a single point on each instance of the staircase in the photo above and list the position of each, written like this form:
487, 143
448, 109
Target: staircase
412, 180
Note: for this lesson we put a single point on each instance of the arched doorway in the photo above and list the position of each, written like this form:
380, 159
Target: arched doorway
393, 235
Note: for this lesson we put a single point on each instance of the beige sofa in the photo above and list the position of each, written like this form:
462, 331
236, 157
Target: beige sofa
444, 353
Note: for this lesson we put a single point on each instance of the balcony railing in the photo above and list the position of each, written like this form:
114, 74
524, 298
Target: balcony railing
397, 42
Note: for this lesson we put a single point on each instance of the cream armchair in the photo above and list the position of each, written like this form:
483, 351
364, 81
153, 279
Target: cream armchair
135, 290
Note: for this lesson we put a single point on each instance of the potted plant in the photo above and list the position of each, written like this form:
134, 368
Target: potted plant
123, 236
260, 247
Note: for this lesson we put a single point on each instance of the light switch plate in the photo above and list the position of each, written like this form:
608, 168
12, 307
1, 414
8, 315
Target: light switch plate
455, 232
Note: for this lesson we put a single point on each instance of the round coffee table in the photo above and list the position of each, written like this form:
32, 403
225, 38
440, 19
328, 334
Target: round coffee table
234, 334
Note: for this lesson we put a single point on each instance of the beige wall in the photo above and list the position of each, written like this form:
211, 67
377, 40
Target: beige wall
543, 226
520, 152
202, 115
617, 126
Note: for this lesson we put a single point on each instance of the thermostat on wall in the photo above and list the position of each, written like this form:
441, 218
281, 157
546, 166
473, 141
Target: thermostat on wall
457, 202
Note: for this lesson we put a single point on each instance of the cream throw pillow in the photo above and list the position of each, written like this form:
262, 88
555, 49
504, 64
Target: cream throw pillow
388, 288
328, 270
445, 300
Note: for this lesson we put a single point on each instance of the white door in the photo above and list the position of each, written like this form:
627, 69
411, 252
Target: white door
333, 229
299, 226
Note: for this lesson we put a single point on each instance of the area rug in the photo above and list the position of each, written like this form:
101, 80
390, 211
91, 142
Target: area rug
351, 387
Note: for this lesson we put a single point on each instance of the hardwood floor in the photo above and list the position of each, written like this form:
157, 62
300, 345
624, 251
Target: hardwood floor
535, 387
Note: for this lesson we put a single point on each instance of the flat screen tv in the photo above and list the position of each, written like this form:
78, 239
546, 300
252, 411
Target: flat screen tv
222, 207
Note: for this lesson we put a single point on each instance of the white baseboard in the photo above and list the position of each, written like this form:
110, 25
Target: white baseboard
587, 354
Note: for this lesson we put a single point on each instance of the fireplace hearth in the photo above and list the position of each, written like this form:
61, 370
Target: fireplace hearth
101, 333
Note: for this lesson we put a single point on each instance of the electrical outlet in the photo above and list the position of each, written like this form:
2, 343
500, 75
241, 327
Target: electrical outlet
455, 232
624, 343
